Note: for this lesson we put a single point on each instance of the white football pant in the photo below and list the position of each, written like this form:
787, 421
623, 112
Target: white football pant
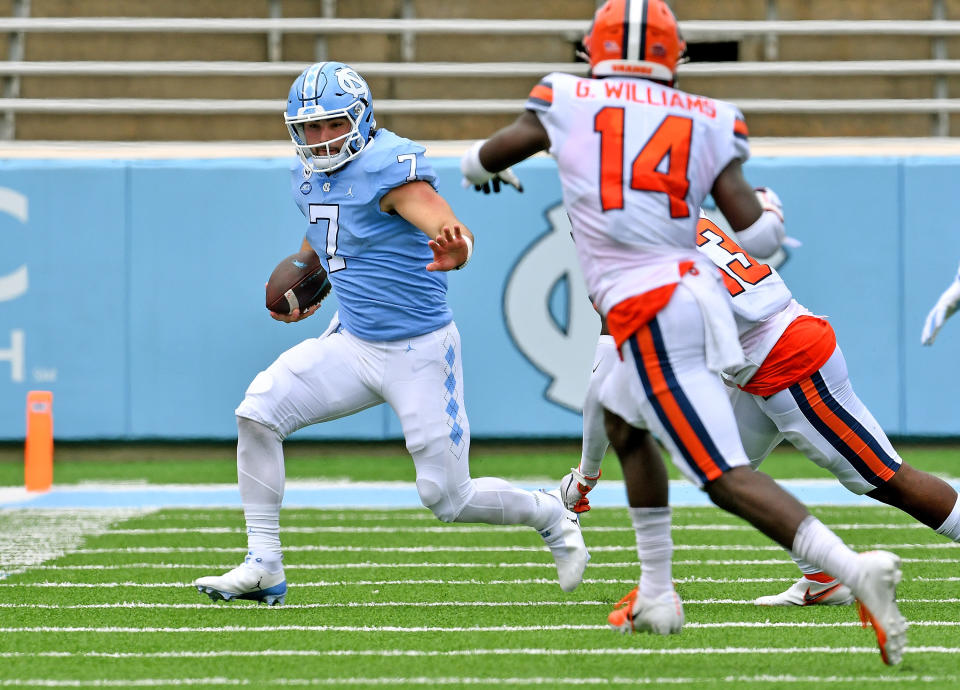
825, 420
421, 378
663, 384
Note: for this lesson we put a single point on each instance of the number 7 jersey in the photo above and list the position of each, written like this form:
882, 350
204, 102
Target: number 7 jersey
636, 160
376, 261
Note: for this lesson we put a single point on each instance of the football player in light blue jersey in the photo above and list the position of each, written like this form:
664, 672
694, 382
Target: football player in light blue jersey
386, 238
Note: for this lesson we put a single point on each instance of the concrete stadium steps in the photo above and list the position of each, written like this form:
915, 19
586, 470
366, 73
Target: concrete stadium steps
437, 47
149, 127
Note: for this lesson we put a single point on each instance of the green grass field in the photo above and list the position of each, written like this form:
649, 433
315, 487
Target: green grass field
216, 463
395, 598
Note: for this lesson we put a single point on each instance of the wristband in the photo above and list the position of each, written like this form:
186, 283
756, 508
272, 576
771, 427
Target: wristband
469, 241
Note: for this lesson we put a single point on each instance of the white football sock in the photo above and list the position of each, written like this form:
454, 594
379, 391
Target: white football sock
498, 502
261, 477
818, 546
951, 526
595, 441
654, 549
805, 567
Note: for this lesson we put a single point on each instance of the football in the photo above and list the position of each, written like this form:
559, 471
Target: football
298, 282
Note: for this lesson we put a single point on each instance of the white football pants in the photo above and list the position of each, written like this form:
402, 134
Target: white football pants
421, 378
663, 384
825, 420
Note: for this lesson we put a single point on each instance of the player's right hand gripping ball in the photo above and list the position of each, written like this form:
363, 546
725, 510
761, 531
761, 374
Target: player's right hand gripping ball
298, 282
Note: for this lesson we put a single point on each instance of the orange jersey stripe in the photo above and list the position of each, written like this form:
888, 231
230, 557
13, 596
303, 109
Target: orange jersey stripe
681, 426
542, 92
740, 127
843, 431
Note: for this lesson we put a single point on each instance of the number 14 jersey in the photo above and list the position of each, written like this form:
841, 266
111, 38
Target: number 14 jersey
636, 161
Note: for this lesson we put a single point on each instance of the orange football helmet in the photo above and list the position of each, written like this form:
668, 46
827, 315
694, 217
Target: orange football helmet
637, 38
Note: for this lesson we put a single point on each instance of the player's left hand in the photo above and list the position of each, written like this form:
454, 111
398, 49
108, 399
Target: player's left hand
450, 250
574, 489
946, 306
496, 182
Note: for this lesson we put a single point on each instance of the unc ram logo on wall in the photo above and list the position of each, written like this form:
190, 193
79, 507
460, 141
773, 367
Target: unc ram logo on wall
549, 314
13, 284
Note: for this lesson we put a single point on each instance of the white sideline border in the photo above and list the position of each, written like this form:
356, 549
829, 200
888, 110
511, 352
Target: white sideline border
344, 494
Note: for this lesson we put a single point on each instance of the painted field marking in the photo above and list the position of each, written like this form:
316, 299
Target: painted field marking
29, 537
323, 548
409, 604
427, 628
600, 651
457, 681
482, 529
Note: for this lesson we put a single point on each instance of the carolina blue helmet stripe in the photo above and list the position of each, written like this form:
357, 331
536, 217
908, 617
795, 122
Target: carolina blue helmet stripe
310, 82
326, 90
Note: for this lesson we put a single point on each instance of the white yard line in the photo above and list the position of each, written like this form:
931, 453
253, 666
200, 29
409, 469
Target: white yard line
350, 583
409, 604
426, 628
523, 651
323, 548
483, 529
457, 681
475, 566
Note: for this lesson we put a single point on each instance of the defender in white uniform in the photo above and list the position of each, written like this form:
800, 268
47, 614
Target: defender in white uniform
636, 159
794, 387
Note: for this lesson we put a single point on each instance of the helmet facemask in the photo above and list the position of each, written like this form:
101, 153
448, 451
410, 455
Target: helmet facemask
318, 157
324, 91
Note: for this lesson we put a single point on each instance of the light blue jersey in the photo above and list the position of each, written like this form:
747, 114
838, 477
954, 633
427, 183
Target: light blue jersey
376, 261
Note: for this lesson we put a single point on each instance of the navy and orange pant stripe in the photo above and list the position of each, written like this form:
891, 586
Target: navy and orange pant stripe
842, 430
672, 406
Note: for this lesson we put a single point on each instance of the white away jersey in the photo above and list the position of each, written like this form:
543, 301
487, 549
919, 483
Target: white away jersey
636, 160
763, 305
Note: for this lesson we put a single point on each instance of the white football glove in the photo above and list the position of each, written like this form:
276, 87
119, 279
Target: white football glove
506, 176
474, 174
769, 201
945, 307
574, 489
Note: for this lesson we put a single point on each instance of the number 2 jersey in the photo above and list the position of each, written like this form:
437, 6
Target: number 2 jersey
376, 261
636, 160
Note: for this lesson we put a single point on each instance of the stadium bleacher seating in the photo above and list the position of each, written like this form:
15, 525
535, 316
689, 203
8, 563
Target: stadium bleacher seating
194, 70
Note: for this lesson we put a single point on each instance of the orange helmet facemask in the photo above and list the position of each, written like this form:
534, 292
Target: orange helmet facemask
638, 38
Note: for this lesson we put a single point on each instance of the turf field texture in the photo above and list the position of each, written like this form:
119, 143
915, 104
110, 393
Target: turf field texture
102, 598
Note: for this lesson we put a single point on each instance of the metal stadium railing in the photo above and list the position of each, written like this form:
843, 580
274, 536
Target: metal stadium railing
694, 31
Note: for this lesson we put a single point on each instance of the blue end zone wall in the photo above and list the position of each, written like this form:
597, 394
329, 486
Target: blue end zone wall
134, 291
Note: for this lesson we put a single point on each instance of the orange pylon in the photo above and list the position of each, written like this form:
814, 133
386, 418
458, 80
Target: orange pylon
38, 449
